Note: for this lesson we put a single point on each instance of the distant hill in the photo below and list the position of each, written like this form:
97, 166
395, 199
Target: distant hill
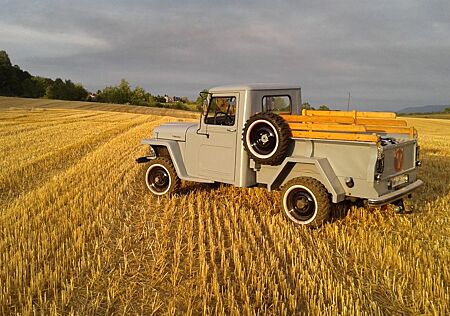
423, 109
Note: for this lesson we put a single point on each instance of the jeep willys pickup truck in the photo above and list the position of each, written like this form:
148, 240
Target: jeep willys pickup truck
258, 135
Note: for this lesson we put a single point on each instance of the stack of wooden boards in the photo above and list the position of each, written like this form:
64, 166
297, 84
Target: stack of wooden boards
347, 125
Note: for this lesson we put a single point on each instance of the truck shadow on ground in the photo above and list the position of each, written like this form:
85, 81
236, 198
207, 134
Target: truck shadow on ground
435, 166
194, 187
338, 211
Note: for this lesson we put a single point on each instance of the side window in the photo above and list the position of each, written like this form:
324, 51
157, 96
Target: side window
221, 111
276, 104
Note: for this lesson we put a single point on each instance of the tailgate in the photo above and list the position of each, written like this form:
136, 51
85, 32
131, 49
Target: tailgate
399, 158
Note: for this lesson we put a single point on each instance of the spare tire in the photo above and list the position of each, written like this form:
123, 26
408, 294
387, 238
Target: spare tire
266, 137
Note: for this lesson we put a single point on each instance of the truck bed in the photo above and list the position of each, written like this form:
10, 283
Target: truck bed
348, 125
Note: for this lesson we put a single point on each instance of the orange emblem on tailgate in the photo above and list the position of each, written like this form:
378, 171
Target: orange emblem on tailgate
398, 159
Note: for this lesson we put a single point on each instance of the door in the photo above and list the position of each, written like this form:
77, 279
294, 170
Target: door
217, 151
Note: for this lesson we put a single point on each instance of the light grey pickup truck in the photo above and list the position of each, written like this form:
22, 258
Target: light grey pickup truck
257, 135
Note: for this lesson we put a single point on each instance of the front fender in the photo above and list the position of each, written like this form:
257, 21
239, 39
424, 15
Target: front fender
175, 153
173, 148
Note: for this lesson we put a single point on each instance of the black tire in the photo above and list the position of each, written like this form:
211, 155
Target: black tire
267, 138
305, 201
161, 177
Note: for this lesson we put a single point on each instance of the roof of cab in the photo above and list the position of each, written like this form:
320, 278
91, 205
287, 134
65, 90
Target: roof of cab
255, 86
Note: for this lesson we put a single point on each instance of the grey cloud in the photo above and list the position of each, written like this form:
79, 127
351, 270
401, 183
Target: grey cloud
387, 54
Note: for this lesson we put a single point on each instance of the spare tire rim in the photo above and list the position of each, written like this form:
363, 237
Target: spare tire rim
262, 139
300, 204
158, 179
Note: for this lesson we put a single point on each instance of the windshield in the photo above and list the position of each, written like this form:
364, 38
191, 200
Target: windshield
221, 111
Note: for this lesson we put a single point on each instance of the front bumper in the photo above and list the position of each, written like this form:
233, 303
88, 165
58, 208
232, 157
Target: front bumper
145, 159
396, 195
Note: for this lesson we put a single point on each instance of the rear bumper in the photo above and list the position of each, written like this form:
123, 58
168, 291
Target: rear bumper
396, 195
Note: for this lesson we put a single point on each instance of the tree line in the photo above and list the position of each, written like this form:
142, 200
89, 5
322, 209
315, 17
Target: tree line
124, 94
19, 83
15, 82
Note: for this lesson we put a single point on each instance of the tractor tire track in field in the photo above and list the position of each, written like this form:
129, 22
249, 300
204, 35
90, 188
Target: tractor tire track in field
48, 127
54, 122
19, 181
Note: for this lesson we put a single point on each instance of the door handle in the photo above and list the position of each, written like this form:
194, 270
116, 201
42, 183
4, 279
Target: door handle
231, 129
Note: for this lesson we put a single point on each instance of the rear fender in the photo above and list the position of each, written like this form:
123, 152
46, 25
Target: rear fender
318, 168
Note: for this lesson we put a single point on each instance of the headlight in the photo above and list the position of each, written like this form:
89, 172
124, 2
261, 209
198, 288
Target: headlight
152, 152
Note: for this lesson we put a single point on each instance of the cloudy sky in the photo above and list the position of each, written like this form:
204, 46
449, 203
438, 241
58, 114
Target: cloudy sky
387, 54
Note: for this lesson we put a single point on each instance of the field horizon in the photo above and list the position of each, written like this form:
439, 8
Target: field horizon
81, 234
30, 103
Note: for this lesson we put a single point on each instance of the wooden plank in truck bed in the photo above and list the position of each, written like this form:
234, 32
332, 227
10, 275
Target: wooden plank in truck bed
337, 136
388, 115
327, 127
344, 120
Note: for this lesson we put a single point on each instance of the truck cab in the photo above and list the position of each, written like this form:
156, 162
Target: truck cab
257, 134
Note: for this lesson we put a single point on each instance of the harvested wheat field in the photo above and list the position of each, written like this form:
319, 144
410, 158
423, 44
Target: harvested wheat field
80, 234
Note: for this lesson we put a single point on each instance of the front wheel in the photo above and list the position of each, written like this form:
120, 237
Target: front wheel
306, 201
161, 177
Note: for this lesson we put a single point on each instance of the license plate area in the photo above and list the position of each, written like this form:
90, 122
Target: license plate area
399, 180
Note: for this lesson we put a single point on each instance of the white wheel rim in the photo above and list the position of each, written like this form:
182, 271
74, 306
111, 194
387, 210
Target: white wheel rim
249, 146
288, 212
149, 185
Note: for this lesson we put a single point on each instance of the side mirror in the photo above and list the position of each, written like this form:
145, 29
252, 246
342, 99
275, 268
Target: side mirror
204, 95
205, 107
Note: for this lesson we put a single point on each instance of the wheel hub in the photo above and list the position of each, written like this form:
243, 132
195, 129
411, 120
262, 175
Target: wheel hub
158, 179
301, 204
263, 139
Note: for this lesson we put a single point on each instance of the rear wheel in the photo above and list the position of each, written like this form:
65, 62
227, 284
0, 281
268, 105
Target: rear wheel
306, 201
161, 177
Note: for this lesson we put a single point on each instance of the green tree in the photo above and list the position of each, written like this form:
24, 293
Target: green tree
307, 106
160, 99
140, 97
66, 90
120, 94
30, 89
447, 110
11, 79
323, 107
200, 99
41, 85
55, 90
4, 59
124, 92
